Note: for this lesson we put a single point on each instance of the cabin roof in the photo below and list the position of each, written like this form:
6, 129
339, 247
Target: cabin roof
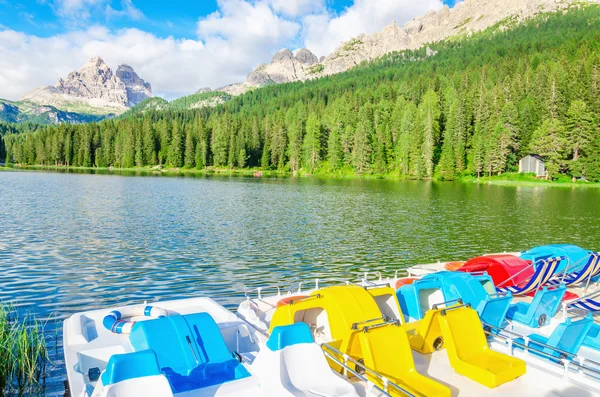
536, 156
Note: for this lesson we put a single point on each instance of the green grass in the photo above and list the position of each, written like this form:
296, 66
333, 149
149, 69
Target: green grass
23, 354
516, 179
323, 171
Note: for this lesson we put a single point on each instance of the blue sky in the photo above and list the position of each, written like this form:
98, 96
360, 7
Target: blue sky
178, 45
163, 18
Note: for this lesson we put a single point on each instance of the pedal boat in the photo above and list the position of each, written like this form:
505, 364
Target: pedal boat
560, 341
364, 326
192, 347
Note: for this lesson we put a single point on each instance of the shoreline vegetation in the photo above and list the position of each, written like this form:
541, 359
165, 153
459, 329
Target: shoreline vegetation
23, 353
505, 179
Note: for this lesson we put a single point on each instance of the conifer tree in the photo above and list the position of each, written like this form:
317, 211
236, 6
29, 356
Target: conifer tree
190, 149
311, 147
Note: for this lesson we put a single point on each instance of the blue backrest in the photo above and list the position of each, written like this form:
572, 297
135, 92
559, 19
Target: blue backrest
122, 367
493, 311
465, 286
569, 335
409, 302
546, 301
288, 335
208, 337
168, 337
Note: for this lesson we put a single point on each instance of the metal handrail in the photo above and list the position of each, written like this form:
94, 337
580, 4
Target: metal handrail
386, 382
446, 303
567, 305
528, 348
525, 268
303, 298
374, 286
356, 324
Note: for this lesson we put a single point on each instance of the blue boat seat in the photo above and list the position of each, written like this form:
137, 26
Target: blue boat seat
415, 299
541, 309
568, 337
122, 367
289, 335
493, 311
592, 340
190, 350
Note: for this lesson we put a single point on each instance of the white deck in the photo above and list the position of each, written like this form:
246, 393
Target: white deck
88, 344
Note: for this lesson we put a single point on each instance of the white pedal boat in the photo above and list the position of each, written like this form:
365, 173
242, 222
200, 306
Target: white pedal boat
542, 378
195, 347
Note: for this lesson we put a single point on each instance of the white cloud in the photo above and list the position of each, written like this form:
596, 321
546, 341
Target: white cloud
127, 10
324, 32
297, 8
229, 42
77, 11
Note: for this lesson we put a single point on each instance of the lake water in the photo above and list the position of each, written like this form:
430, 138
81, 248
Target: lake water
74, 242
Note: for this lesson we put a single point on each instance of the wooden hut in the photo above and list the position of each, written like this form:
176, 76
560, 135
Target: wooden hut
533, 163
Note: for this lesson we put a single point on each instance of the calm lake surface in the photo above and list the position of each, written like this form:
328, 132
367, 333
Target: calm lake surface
73, 242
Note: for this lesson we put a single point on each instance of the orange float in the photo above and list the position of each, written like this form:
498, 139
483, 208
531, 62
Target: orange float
452, 266
405, 281
288, 299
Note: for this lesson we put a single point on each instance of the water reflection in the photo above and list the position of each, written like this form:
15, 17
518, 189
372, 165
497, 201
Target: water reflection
72, 242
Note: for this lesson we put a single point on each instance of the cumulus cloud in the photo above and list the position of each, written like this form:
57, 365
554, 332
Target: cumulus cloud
324, 32
228, 44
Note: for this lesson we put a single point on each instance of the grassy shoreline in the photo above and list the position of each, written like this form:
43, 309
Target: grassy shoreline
506, 179
23, 353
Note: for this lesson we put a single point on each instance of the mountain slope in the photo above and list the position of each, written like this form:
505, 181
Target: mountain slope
22, 112
204, 98
94, 89
464, 19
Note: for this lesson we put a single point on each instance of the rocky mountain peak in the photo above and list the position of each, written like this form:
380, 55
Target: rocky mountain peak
96, 86
306, 57
283, 55
137, 89
462, 20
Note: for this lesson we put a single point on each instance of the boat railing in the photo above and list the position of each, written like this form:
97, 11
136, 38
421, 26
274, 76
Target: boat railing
386, 385
532, 265
377, 285
382, 322
239, 335
457, 304
565, 358
569, 305
365, 278
291, 289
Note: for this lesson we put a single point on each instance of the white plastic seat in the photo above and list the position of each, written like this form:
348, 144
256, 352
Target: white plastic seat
307, 370
147, 386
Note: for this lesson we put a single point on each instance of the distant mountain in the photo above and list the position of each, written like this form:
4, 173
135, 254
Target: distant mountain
94, 89
464, 19
203, 98
20, 112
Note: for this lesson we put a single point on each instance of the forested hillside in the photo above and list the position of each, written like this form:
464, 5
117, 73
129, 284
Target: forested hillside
474, 108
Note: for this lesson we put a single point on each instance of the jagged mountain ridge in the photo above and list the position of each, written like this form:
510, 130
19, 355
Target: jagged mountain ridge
464, 19
94, 88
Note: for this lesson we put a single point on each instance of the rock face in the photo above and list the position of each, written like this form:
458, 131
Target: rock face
463, 20
137, 89
285, 67
96, 87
